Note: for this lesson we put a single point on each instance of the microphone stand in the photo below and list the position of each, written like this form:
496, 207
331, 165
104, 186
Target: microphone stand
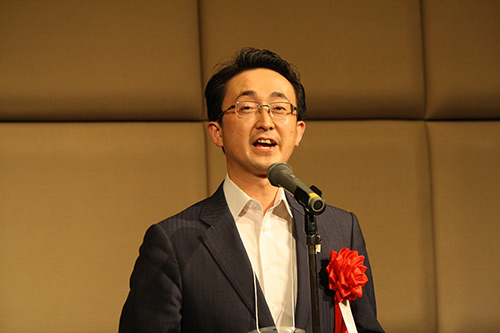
313, 247
313, 240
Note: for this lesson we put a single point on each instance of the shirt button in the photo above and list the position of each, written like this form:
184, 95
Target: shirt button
268, 267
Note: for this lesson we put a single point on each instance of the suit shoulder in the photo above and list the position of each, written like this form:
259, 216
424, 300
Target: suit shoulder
338, 214
188, 217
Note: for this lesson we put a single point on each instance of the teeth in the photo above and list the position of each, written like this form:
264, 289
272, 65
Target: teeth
265, 141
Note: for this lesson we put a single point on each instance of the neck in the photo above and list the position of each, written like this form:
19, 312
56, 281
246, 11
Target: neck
257, 188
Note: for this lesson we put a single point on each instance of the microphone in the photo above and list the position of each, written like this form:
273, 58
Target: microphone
281, 174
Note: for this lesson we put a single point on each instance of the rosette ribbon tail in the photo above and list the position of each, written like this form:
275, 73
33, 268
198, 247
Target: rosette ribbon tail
339, 321
348, 324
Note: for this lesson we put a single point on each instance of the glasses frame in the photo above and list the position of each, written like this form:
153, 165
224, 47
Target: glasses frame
228, 110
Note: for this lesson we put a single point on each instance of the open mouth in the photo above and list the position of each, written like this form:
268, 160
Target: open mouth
264, 143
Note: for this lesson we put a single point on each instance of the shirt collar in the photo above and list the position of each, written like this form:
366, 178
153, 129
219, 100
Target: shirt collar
237, 199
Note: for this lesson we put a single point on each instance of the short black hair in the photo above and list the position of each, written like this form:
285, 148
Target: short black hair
246, 59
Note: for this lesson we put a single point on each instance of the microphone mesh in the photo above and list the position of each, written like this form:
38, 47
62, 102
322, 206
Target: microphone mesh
274, 171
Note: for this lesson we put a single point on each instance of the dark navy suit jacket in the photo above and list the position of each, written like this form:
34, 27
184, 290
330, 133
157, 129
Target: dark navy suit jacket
193, 274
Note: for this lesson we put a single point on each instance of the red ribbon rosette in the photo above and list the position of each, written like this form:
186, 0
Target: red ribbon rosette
346, 276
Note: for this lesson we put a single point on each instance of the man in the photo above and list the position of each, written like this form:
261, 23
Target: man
238, 259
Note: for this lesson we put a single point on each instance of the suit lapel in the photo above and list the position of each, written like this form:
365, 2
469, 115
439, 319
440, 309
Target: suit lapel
224, 243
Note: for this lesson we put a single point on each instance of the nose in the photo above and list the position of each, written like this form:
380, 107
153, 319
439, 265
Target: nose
264, 119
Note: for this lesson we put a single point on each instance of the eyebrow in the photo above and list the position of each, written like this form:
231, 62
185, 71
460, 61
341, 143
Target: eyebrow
247, 93
252, 93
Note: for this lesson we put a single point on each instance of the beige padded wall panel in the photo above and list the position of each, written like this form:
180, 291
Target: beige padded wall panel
216, 164
462, 57
358, 59
76, 202
379, 170
465, 159
74, 60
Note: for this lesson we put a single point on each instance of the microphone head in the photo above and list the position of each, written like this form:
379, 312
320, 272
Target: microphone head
277, 169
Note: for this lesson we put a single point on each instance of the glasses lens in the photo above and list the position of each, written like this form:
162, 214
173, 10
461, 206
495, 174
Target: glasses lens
281, 109
247, 109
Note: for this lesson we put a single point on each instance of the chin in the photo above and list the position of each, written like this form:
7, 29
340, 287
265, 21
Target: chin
261, 169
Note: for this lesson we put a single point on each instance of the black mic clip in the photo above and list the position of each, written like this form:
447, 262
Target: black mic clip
315, 204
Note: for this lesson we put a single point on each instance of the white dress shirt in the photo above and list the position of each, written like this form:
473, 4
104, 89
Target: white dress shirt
270, 245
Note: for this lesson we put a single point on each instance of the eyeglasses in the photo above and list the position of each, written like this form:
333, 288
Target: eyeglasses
278, 110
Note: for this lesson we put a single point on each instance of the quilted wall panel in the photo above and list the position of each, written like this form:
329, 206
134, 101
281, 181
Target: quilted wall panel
99, 60
357, 59
76, 201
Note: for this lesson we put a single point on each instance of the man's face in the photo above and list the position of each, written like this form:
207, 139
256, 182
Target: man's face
252, 144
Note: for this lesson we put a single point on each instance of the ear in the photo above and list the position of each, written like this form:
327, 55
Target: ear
300, 129
215, 132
